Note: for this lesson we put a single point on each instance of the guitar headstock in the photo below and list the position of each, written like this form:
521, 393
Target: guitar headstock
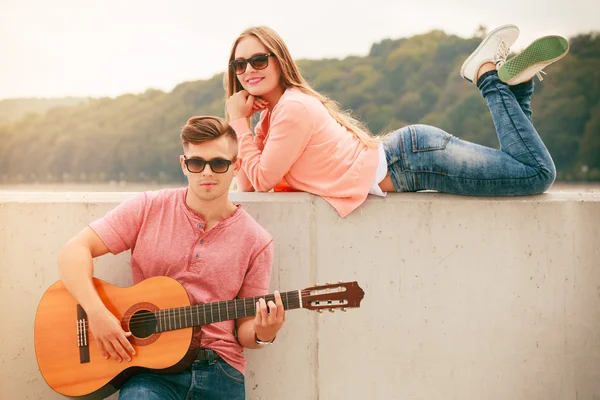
331, 296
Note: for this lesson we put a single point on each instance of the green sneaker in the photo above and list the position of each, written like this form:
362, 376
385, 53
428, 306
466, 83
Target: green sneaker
531, 61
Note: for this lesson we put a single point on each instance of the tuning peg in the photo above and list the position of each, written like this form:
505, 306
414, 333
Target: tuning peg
327, 283
332, 310
320, 311
343, 309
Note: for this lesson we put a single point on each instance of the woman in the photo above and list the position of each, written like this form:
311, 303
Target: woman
303, 140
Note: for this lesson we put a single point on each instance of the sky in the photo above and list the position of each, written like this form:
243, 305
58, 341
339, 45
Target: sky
64, 48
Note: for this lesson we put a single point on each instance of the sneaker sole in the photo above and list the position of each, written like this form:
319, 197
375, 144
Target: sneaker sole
539, 54
475, 53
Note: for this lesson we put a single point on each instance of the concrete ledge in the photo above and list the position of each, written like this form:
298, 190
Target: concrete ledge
465, 297
294, 197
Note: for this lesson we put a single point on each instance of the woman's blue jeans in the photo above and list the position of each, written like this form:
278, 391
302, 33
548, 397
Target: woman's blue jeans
422, 157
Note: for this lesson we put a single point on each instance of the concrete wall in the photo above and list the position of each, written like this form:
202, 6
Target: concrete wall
466, 298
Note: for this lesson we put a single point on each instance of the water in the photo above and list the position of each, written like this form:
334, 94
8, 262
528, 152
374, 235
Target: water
588, 187
88, 187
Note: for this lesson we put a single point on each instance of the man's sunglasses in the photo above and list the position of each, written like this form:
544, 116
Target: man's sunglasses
259, 61
218, 165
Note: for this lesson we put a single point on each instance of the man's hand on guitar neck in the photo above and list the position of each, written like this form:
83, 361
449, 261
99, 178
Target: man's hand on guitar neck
268, 323
110, 337
263, 327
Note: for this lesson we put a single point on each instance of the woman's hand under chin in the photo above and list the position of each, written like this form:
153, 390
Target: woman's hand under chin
242, 105
259, 104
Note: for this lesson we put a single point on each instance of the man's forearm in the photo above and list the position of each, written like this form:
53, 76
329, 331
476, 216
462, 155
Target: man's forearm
245, 334
76, 270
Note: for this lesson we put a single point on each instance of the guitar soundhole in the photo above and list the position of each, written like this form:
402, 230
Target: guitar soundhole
142, 324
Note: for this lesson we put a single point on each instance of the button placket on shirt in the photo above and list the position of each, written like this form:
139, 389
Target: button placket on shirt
197, 257
199, 242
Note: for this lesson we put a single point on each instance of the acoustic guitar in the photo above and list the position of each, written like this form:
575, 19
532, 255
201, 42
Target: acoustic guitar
158, 313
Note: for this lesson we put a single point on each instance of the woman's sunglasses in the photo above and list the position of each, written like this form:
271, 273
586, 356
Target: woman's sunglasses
259, 61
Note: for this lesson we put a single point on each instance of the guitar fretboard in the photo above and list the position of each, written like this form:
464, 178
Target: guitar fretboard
202, 314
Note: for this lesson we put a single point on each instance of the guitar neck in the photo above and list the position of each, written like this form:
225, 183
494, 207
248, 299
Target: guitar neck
203, 314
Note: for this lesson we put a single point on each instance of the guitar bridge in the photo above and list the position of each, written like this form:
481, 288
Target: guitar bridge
82, 335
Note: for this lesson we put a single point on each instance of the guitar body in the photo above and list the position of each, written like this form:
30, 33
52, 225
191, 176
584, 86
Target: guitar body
67, 354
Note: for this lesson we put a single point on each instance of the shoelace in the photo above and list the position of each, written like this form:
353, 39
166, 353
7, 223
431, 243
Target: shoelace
539, 75
501, 54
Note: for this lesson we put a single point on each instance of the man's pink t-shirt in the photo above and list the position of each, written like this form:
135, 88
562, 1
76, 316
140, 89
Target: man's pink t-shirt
166, 238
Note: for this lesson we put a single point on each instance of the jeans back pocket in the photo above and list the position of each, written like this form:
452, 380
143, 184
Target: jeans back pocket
427, 138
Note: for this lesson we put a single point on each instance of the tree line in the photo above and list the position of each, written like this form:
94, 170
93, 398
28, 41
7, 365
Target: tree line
399, 82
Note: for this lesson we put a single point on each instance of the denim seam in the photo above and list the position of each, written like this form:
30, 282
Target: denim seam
190, 391
415, 149
515, 127
418, 171
402, 151
394, 176
475, 179
390, 161
211, 357
390, 158
233, 378
393, 161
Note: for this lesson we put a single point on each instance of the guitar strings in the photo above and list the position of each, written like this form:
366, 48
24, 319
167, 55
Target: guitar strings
230, 307
140, 320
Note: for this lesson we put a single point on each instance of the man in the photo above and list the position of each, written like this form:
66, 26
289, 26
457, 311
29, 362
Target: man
197, 236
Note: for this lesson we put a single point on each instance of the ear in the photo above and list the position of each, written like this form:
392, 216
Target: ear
237, 165
183, 167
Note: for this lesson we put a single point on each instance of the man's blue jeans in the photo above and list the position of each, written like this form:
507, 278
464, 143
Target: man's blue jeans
206, 380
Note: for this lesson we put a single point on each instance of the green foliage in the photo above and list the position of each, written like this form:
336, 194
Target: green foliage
404, 81
14, 109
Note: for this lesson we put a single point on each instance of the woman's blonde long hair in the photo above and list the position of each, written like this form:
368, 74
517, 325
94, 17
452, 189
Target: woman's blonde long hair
291, 77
